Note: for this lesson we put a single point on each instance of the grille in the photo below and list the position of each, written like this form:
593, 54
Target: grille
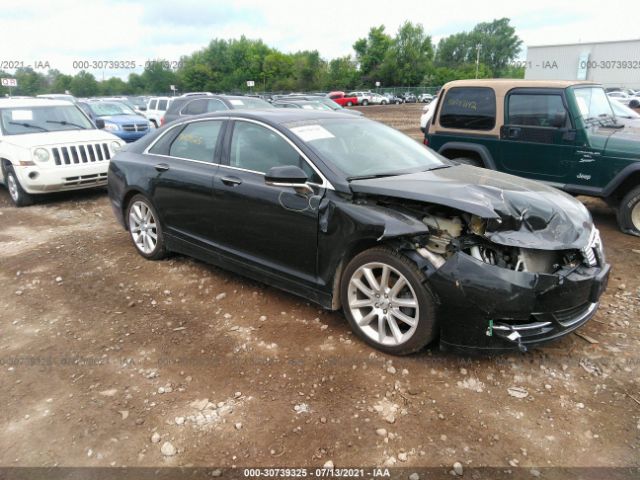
86, 179
77, 154
573, 315
135, 127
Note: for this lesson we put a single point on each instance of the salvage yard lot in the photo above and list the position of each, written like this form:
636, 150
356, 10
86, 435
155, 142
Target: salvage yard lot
101, 349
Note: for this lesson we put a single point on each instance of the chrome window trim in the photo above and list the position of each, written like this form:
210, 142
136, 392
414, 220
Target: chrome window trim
325, 182
185, 124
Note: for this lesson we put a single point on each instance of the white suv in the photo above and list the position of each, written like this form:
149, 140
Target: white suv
364, 98
156, 108
49, 146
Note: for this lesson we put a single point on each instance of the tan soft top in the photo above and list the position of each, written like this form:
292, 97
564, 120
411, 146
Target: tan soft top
501, 86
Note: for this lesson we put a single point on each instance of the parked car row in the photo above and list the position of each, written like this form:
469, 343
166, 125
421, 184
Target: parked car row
347, 212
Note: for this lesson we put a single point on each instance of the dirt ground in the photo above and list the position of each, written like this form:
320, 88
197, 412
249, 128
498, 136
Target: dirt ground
105, 357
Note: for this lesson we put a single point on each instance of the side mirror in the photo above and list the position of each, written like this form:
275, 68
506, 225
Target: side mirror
288, 176
100, 123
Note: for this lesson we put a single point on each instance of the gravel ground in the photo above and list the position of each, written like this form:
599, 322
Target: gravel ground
107, 359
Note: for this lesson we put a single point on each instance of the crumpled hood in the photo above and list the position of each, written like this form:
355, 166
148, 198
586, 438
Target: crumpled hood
519, 212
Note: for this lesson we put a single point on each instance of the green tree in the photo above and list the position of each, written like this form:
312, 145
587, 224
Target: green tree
410, 57
30, 82
113, 86
371, 52
157, 77
84, 84
496, 42
342, 74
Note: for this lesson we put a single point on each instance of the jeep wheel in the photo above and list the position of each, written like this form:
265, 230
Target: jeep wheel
628, 212
387, 302
474, 162
145, 229
19, 197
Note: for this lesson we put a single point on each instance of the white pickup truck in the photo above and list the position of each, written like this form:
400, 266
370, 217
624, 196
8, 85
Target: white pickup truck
49, 146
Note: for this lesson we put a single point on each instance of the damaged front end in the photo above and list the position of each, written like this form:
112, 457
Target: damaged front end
496, 296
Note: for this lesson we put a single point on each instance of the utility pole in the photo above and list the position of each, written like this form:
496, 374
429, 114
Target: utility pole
478, 47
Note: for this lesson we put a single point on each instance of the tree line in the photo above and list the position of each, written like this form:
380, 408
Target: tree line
408, 58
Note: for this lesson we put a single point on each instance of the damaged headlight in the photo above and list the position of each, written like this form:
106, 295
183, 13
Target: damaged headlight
593, 253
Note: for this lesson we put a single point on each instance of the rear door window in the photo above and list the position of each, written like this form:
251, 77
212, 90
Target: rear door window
195, 107
469, 108
197, 141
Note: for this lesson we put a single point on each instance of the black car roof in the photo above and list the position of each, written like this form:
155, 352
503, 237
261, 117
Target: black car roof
278, 116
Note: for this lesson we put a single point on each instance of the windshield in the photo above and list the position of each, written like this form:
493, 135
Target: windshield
106, 109
592, 103
21, 120
249, 103
362, 148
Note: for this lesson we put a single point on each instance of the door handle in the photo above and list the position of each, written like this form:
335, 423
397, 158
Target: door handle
513, 132
232, 181
162, 167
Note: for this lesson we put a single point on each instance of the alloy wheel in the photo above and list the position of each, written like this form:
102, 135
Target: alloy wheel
12, 185
143, 227
383, 303
635, 216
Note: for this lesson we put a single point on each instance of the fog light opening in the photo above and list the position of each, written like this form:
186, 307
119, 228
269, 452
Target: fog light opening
33, 175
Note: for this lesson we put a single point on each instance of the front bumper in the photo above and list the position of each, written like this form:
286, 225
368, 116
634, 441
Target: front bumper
484, 307
130, 136
35, 179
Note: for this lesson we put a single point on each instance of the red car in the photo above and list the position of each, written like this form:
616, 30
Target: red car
341, 99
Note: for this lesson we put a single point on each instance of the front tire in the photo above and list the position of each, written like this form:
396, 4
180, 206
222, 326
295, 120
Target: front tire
628, 212
145, 229
349, 104
19, 197
387, 301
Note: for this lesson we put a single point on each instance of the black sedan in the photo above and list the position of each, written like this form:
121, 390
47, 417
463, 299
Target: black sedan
352, 214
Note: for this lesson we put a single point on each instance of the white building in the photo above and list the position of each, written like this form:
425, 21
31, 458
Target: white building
613, 64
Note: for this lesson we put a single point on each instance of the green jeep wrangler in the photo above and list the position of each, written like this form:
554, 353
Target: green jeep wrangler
563, 133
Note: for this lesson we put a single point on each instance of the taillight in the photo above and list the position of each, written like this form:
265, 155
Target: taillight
161, 121
425, 141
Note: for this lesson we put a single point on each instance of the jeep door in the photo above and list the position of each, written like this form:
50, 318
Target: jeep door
538, 137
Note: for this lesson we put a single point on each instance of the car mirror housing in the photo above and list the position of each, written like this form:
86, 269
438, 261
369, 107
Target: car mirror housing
287, 176
99, 123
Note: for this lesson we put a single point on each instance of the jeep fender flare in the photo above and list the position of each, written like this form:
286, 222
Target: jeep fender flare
480, 150
619, 179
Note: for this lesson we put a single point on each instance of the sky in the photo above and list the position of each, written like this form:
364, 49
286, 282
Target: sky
56, 34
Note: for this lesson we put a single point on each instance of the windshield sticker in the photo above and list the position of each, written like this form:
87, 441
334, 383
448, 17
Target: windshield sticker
21, 115
235, 101
310, 133
582, 105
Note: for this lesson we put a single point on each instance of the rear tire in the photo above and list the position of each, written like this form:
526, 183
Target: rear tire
474, 162
145, 229
365, 103
628, 212
18, 196
387, 302
349, 104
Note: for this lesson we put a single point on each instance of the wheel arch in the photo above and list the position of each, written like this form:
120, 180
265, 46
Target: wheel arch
453, 150
622, 183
